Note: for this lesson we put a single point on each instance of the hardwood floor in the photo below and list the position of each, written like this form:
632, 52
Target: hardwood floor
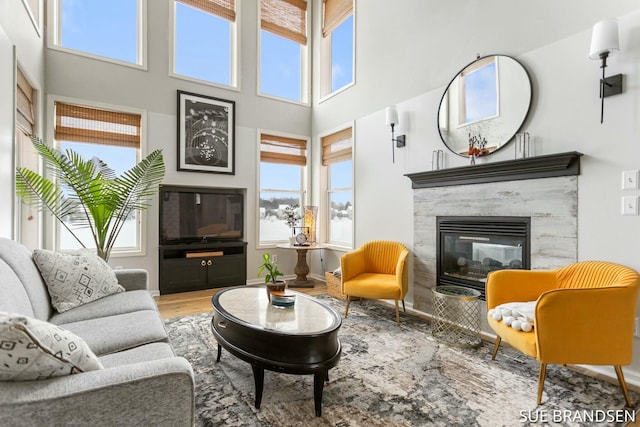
187, 303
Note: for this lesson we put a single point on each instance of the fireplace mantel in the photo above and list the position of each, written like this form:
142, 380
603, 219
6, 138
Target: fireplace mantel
552, 165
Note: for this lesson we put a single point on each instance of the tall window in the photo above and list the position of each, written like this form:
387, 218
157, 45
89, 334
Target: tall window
283, 162
337, 46
338, 158
113, 137
205, 40
283, 49
108, 29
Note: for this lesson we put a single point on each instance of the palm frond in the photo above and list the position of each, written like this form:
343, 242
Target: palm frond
89, 194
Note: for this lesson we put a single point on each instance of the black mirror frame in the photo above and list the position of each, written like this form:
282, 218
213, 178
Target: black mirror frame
524, 119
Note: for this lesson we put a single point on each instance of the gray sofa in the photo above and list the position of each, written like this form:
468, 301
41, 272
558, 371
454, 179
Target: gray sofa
143, 382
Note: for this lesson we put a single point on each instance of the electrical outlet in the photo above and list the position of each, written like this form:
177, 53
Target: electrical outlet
274, 258
630, 180
630, 205
636, 330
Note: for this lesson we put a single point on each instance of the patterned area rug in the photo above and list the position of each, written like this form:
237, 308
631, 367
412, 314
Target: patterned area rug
392, 375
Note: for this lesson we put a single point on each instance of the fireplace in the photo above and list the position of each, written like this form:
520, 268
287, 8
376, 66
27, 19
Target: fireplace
469, 248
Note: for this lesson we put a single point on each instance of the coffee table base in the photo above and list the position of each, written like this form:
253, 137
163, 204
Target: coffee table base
320, 376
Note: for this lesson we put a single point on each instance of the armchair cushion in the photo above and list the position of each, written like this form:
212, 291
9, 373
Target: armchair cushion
74, 279
32, 349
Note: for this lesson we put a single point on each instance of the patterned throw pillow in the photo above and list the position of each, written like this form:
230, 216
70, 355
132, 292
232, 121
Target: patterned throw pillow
74, 279
31, 349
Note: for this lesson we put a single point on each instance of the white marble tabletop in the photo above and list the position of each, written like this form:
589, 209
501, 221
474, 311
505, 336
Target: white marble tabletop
251, 305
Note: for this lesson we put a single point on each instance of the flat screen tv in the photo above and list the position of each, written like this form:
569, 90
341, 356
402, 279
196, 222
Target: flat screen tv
200, 214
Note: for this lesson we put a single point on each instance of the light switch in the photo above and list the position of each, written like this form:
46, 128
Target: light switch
630, 180
630, 205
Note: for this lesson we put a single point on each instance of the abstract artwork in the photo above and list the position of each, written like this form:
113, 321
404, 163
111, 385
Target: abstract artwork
206, 134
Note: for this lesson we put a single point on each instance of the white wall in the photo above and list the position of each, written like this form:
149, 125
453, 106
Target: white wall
154, 91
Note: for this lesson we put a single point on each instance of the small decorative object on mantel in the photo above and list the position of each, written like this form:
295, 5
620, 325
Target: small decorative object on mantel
477, 147
522, 145
437, 160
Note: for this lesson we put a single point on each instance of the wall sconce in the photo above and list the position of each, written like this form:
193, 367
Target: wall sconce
604, 42
392, 120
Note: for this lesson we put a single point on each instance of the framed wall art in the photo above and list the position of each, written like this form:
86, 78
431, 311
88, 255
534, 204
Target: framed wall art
206, 134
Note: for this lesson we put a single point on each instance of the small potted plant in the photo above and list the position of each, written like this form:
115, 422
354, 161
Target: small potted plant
271, 278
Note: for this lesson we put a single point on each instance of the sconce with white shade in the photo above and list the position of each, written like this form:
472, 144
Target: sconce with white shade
605, 43
392, 120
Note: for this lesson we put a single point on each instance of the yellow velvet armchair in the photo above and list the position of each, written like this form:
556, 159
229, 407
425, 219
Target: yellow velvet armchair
584, 314
376, 270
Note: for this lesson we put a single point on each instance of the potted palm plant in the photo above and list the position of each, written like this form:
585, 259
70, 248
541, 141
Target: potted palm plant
87, 193
271, 278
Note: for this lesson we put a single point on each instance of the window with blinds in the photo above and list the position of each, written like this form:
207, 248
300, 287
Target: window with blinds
283, 161
25, 117
337, 156
75, 123
280, 149
337, 67
283, 49
205, 41
112, 136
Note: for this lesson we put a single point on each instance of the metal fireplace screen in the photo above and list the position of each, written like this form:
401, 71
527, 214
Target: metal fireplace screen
470, 247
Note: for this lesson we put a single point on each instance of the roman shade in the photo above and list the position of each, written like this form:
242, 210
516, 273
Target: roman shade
25, 118
337, 147
335, 11
285, 18
77, 123
225, 9
280, 149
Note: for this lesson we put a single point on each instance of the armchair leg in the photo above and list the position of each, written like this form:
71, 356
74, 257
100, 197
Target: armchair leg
403, 307
346, 312
543, 372
623, 385
495, 348
397, 313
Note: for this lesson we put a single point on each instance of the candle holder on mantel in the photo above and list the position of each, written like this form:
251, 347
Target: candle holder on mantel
523, 146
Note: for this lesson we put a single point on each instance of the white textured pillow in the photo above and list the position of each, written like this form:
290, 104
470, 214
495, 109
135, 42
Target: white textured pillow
74, 279
31, 349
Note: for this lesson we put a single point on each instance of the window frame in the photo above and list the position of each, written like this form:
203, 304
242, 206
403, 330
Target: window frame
52, 237
326, 190
54, 28
234, 64
326, 64
35, 16
462, 91
304, 184
305, 63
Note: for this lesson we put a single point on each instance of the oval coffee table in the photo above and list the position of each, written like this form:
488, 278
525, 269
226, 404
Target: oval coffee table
299, 340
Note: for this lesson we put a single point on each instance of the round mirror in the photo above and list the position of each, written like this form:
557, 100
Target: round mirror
484, 106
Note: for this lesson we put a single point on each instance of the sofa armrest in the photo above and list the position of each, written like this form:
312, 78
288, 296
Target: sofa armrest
158, 392
133, 279
517, 285
586, 325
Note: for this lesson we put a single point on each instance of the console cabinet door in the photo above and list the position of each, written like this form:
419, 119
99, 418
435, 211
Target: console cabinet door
184, 274
228, 270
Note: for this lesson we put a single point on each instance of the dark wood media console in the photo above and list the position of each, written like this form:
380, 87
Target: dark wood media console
198, 266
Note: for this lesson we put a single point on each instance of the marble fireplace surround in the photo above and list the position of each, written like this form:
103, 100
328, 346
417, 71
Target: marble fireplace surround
544, 188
